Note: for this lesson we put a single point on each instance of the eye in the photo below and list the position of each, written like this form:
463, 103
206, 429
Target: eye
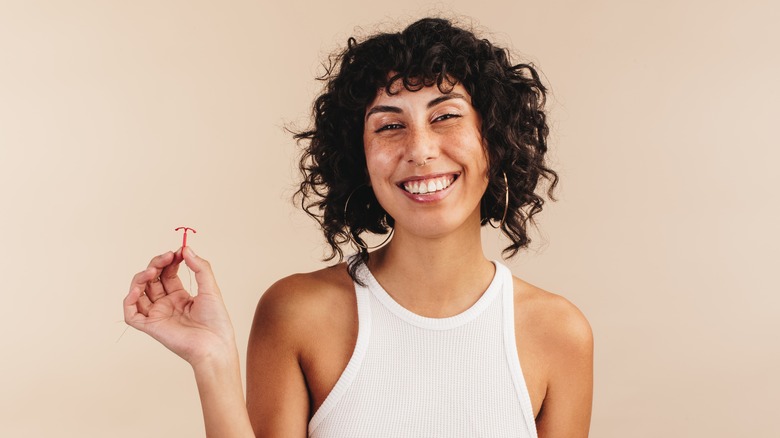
389, 126
446, 116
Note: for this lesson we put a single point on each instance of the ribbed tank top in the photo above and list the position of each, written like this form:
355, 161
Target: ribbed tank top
414, 376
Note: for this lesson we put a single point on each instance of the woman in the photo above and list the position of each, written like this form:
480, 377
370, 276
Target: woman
425, 136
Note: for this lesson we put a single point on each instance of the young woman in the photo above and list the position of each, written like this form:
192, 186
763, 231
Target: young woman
426, 136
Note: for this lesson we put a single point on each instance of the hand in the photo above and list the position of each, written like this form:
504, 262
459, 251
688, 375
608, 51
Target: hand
196, 328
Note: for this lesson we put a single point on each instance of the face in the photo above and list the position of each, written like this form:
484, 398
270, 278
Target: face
426, 159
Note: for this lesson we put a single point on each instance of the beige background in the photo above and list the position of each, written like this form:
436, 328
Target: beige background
122, 120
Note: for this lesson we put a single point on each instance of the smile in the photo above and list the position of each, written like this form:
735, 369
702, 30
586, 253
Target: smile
428, 185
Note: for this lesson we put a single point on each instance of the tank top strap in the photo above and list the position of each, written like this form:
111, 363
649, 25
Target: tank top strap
362, 294
510, 344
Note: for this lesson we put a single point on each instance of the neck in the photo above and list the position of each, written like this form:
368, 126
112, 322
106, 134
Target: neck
434, 276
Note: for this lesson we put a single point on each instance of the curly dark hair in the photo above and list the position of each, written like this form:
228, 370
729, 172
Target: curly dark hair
509, 97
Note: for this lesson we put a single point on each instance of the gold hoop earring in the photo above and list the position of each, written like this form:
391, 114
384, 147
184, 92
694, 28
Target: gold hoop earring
349, 233
506, 204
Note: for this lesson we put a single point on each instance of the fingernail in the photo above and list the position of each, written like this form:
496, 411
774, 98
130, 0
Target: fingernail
190, 252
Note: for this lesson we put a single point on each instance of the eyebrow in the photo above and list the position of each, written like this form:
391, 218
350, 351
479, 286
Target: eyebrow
383, 109
431, 104
445, 97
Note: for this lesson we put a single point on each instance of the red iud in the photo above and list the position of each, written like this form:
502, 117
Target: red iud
184, 242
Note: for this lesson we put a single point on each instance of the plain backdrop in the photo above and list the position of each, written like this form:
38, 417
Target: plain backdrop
120, 121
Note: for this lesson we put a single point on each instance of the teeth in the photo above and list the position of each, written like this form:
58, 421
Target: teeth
428, 186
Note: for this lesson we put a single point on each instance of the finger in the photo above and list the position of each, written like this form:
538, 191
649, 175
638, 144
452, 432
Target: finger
154, 288
144, 305
136, 301
161, 260
130, 303
204, 276
169, 277
137, 287
140, 279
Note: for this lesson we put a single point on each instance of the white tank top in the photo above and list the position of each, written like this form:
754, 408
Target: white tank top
413, 376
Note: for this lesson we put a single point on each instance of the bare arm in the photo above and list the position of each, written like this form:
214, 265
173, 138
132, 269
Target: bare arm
277, 395
566, 409
222, 397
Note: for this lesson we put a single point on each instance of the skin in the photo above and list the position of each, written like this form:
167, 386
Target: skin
305, 325
198, 329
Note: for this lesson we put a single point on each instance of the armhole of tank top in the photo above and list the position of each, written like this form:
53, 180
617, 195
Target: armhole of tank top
513, 359
353, 366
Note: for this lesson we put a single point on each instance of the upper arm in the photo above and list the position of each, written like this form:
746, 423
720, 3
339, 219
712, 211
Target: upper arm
566, 409
277, 396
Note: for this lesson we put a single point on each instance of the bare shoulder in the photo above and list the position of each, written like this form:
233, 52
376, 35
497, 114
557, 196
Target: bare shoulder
300, 302
551, 319
293, 318
308, 291
555, 348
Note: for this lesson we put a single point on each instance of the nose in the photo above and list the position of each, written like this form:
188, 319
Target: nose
422, 147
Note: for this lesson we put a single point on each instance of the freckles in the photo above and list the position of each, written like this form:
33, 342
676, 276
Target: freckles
381, 163
382, 153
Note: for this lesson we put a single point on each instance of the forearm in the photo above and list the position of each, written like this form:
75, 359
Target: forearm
222, 397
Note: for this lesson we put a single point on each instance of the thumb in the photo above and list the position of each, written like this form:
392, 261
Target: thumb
204, 276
